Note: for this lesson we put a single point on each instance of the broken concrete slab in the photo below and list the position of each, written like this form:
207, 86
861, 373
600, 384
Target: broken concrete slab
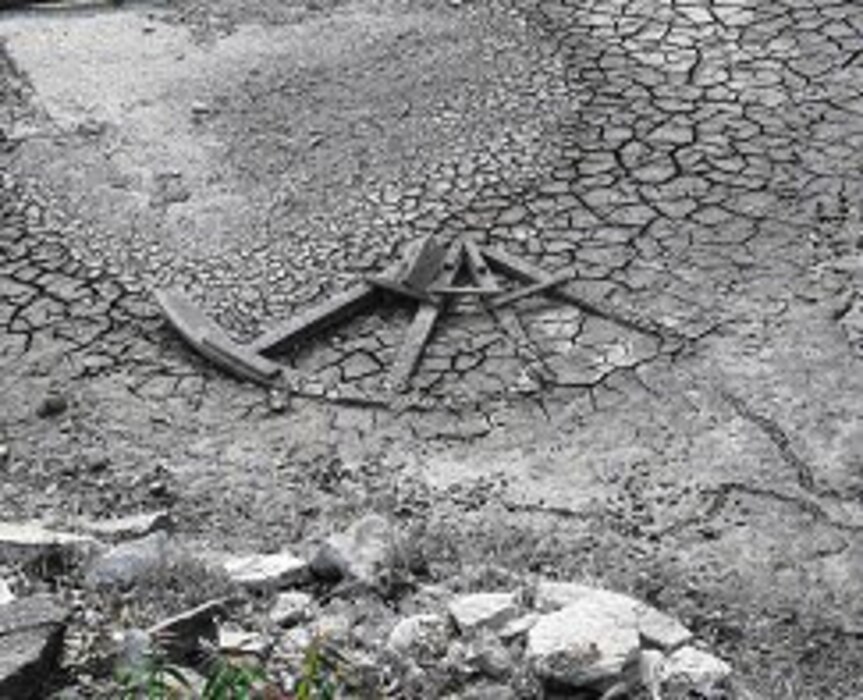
31, 641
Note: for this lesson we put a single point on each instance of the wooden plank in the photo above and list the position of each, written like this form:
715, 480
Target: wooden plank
478, 267
423, 324
538, 288
388, 285
422, 263
212, 342
525, 272
307, 323
456, 291
507, 319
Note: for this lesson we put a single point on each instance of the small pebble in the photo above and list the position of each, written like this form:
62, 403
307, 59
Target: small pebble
52, 405
158, 489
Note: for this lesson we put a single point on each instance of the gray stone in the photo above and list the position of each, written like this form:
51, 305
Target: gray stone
366, 552
584, 643
489, 656
268, 571
661, 630
518, 627
125, 564
31, 641
483, 610
421, 636
52, 405
25, 543
181, 636
291, 608
234, 640
694, 668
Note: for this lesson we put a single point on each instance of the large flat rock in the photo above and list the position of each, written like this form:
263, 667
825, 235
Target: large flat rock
31, 640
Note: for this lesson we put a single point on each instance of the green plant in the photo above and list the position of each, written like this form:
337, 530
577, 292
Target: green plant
151, 680
318, 679
231, 681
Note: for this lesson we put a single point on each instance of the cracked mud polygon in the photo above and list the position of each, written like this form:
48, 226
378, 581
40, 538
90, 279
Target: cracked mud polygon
697, 164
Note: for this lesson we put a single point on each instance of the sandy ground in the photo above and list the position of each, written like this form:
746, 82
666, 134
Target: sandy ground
697, 164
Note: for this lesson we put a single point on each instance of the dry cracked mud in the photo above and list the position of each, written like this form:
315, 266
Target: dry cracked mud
696, 163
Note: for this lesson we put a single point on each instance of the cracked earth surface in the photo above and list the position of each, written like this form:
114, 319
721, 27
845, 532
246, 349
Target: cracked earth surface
697, 164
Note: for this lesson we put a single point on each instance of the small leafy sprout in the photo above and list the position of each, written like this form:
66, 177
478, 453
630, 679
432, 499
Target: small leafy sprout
229, 680
152, 680
319, 678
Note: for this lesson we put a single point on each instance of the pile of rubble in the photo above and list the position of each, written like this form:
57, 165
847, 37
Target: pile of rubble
358, 600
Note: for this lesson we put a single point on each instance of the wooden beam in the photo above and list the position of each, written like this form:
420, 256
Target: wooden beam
211, 341
524, 271
554, 280
423, 324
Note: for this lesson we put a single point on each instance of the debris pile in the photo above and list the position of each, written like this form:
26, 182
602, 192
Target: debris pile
353, 612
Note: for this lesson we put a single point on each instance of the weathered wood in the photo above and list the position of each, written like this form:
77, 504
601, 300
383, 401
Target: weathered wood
525, 272
506, 318
422, 263
478, 267
389, 285
423, 324
554, 280
458, 291
211, 341
305, 324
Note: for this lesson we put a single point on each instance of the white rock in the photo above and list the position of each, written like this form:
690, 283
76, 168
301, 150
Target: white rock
695, 667
518, 627
421, 636
335, 627
266, 570
483, 610
584, 643
365, 551
6, 595
239, 641
660, 629
554, 595
656, 627
489, 656
290, 608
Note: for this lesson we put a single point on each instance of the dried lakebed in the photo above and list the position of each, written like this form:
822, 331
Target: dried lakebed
694, 162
